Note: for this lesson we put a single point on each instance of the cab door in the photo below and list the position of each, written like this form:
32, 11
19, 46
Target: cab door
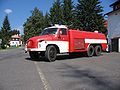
63, 34
63, 40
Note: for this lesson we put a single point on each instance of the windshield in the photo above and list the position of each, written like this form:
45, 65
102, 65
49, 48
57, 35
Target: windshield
49, 31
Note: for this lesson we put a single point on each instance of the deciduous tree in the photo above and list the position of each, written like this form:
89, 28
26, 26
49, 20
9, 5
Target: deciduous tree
15, 31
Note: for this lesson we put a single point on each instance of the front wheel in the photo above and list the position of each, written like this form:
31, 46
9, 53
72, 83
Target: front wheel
51, 53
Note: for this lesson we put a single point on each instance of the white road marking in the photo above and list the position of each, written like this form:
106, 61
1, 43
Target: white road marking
42, 77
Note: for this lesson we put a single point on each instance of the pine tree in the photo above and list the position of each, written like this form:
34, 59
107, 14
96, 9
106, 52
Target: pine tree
34, 24
5, 31
56, 13
68, 14
0, 34
46, 20
89, 15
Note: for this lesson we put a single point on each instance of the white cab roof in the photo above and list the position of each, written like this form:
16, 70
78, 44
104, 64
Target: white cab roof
58, 26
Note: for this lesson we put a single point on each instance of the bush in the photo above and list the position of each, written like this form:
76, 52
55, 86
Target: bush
3, 47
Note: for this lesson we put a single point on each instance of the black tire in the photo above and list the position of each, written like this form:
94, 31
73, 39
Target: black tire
51, 53
90, 51
98, 50
34, 55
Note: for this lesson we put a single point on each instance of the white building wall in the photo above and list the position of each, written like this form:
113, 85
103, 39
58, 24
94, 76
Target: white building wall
114, 24
119, 45
14, 43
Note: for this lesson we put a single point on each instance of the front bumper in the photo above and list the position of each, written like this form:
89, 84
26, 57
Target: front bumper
34, 49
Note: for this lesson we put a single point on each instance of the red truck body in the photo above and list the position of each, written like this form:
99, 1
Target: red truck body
60, 39
80, 40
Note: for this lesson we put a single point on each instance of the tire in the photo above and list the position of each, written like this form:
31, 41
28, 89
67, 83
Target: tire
98, 50
51, 53
33, 55
90, 51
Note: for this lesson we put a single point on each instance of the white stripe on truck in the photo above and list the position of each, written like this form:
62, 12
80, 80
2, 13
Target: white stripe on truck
95, 41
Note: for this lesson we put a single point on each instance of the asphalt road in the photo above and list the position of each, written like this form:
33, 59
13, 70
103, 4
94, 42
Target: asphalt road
19, 72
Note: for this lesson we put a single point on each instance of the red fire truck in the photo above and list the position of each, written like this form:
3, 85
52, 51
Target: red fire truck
59, 39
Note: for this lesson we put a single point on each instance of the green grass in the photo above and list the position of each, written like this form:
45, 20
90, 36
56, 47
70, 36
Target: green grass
9, 48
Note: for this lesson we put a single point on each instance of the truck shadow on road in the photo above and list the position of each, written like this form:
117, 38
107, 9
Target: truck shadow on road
60, 57
37, 60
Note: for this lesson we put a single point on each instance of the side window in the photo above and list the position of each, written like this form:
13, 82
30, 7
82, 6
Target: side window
63, 31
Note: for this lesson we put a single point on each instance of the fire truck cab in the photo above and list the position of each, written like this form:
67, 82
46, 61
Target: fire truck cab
59, 39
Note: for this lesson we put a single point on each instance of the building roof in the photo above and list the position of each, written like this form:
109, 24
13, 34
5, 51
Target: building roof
15, 36
115, 3
115, 7
112, 11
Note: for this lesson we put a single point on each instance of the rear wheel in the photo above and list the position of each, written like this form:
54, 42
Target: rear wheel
90, 51
51, 53
33, 55
98, 50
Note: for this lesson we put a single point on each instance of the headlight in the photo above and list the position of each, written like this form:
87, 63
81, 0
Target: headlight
30, 43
